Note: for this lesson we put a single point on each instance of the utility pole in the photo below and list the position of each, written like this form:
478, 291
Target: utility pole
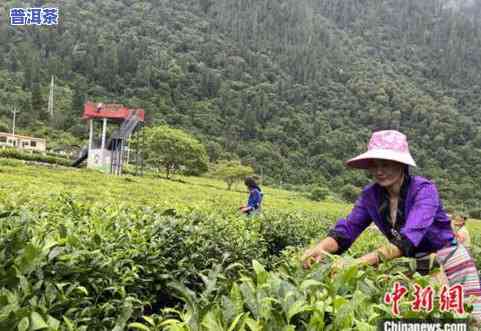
50, 99
14, 112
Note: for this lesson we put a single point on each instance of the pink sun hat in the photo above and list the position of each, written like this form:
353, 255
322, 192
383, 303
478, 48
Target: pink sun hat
386, 145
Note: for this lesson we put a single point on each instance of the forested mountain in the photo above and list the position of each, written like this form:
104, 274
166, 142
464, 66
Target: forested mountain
293, 87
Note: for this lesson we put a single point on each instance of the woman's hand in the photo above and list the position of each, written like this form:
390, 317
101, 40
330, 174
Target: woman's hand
312, 255
316, 253
369, 259
388, 252
340, 264
244, 209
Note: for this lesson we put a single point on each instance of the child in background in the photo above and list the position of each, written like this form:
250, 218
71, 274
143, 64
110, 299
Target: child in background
461, 231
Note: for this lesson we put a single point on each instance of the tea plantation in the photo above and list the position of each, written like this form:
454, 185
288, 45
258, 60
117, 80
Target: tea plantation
80, 250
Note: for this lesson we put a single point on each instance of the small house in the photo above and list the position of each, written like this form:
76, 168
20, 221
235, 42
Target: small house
22, 142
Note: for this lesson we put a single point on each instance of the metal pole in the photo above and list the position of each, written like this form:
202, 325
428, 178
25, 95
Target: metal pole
127, 148
116, 153
116, 157
142, 152
14, 117
104, 134
91, 134
50, 98
112, 159
114, 162
121, 157
118, 146
137, 146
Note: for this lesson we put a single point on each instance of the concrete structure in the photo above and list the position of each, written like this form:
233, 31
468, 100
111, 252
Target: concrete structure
22, 142
109, 151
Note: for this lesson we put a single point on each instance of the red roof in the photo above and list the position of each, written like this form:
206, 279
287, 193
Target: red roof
110, 111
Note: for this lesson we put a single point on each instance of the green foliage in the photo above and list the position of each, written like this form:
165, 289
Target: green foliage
13, 153
174, 150
74, 260
112, 256
319, 193
475, 250
38, 105
475, 213
294, 299
350, 192
231, 172
294, 100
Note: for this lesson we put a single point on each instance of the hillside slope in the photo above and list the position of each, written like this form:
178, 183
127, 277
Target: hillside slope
292, 87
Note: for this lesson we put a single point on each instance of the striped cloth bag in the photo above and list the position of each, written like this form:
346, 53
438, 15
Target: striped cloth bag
459, 268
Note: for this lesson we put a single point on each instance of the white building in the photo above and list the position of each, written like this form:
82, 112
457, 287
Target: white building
22, 142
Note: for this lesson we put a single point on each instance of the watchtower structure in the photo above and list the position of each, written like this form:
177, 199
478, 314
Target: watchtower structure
113, 129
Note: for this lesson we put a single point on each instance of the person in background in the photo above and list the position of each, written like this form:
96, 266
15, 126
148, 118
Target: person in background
461, 231
409, 213
255, 197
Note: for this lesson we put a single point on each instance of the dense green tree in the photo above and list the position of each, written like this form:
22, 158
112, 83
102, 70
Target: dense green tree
319, 193
174, 150
231, 172
350, 192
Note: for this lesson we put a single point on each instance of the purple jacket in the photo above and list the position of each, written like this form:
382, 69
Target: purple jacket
427, 226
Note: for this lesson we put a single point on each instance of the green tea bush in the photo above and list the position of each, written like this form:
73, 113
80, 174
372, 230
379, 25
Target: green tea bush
323, 298
319, 193
350, 192
95, 267
281, 230
128, 254
13, 153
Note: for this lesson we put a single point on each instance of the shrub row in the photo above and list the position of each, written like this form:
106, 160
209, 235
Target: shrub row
73, 266
13, 153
